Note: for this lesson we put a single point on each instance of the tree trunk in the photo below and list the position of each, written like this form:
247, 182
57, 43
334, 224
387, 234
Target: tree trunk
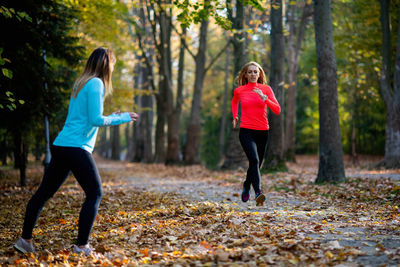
191, 155
173, 151
294, 41
134, 140
115, 143
147, 117
20, 155
138, 131
128, 138
222, 131
391, 96
165, 95
3, 151
147, 87
38, 150
331, 167
234, 155
101, 147
274, 157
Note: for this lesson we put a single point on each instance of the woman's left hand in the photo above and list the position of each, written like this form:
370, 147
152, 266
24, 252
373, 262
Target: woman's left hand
260, 93
134, 116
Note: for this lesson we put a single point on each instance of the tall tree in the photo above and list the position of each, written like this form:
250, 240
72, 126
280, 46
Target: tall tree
224, 115
234, 155
173, 149
390, 89
331, 168
145, 85
193, 132
49, 31
297, 25
274, 156
115, 143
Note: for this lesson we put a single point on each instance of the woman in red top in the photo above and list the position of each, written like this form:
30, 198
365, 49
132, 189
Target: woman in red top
254, 96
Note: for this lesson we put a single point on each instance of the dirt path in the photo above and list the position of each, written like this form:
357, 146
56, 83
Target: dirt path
334, 227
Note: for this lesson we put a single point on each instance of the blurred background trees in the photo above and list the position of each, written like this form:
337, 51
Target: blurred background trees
177, 63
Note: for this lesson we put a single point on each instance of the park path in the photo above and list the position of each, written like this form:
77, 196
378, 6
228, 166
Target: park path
372, 247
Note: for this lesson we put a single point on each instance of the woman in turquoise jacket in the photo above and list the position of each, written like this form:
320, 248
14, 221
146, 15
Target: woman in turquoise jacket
72, 149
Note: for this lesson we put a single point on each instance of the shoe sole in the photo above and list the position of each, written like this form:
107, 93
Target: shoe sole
19, 249
260, 200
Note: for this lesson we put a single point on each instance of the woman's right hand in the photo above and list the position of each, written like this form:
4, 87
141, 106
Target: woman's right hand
235, 121
133, 116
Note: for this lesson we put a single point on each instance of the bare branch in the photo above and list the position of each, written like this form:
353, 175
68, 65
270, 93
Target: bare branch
217, 56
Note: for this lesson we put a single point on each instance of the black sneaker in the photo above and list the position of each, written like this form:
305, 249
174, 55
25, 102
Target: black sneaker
245, 194
260, 198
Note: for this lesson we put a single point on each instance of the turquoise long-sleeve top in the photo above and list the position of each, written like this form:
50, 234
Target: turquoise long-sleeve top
85, 116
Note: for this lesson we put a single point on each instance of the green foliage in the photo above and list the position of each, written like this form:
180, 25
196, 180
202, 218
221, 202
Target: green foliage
193, 12
357, 38
358, 44
209, 147
38, 29
307, 126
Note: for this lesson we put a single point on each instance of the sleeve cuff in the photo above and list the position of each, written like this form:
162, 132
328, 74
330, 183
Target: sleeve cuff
125, 117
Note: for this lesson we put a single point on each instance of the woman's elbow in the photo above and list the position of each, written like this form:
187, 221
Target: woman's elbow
277, 111
96, 122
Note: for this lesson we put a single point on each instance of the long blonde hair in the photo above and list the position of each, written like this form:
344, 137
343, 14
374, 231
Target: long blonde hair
98, 65
241, 78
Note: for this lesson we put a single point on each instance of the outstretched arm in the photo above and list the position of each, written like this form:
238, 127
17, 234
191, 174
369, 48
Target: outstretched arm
95, 107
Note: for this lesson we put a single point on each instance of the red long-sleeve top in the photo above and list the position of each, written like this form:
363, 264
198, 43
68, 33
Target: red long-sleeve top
254, 109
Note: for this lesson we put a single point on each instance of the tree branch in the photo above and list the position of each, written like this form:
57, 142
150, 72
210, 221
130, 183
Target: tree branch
217, 56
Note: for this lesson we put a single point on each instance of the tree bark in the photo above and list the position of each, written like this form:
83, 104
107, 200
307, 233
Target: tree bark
391, 96
173, 151
234, 155
147, 116
135, 139
102, 145
148, 89
115, 143
161, 31
331, 167
222, 131
274, 157
20, 155
193, 133
294, 41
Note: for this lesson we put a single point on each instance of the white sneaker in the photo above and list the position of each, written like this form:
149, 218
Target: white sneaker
85, 250
23, 246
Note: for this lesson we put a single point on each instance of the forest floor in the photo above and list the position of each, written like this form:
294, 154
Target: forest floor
152, 214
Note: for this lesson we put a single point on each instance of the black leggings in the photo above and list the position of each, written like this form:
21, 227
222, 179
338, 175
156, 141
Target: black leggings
82, 165
254, 143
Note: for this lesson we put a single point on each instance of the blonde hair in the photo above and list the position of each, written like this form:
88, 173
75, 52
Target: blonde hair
241, 78
98, 65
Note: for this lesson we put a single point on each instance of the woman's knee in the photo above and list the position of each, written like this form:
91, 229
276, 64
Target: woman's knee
254, 161
95, 194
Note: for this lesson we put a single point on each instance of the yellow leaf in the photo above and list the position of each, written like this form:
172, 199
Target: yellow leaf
276, 6
329, 254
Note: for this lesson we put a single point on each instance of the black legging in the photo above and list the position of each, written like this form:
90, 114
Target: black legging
254, 143
82, 165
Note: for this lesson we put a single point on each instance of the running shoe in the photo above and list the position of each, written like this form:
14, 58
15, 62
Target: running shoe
245, 194
24, 246
260, 198
85, 250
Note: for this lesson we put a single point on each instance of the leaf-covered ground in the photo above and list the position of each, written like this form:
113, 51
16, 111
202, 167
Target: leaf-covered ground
158, 215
